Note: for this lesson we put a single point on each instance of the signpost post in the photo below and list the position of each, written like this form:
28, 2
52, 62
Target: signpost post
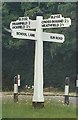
66, 91
38, 99
77, 86
21, 30
15, 89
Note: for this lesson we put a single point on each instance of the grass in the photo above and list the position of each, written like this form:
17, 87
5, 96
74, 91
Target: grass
0, 110
24, 109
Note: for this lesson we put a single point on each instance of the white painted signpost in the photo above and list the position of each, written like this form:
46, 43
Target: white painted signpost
21, 30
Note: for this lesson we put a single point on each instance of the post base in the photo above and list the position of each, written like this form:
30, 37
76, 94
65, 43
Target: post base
66, 101
15, 97
38, 104
77, 91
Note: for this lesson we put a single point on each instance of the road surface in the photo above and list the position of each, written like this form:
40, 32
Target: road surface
72, 100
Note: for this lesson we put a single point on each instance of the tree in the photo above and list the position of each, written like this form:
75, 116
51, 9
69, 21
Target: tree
18, 55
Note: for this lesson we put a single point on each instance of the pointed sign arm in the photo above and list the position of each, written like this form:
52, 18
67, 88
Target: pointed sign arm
53, 37
32, 35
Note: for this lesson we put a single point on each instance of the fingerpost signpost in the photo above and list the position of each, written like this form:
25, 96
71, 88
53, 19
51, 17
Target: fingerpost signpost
21, 29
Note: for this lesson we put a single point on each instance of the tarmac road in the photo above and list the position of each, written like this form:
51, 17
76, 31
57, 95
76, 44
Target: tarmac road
72, 100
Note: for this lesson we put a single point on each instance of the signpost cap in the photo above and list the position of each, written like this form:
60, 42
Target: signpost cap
39, 14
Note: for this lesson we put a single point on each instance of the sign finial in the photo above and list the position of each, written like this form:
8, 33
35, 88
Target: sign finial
39, 13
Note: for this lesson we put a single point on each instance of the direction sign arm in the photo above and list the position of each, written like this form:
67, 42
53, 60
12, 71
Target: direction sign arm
53, 37
24, 34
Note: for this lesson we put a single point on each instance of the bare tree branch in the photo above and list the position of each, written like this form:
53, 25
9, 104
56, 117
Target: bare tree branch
8, 30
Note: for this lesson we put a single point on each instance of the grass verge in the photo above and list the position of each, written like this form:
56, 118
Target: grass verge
24, 109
